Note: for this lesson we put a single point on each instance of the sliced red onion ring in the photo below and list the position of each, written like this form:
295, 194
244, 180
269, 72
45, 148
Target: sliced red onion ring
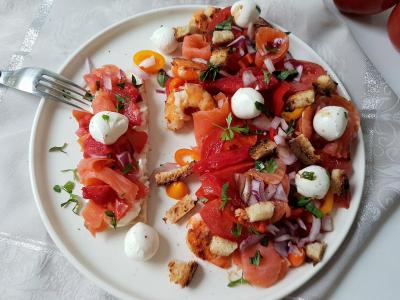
250, 31
124, 158
292, 176
288, 66
224, 73
241, 51
293, 248
262, 122
301, 223
327, 223
287, 156
107, 82
236, 28
283, 237
246, 190
276, 121
281, 248
148, 62
315, 229
160, 91
253, 199
292, 227
300, 71
199, 60
270, 191
280, 193
279, 139
240, 180
235, 41
284, 125
250, 241
140, 73
282, 133
248, 78
269, 65
255, 189
272, 229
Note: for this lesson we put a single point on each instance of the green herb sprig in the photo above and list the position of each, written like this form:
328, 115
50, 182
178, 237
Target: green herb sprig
74, 173
210, 73
236, 230
228, 133
256, 259
113, 219
59, 149
269, 166
162, 77
287, 75
309, 206
225, 25
224, 195
308, 175
237, 282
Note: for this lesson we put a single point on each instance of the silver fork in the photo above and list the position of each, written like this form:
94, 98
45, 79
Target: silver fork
47, 84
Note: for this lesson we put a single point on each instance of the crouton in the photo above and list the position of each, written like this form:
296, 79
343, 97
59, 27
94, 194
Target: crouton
260, 211
262, 149
210, 11
174, 175
199, 21
261, 22
222, 247
315, 251
219, 57
221, 37
339, 182
241, 214
182, 31
303, 149
301, 99
179, 210
325, 85
181, 272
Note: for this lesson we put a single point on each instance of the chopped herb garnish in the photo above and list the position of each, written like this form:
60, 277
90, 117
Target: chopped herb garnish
256, 259
264, 241
266, 77
239, 281
286, 74
120, 102
127, 169
97, 85
88, 96
162, 77
74, 173
290, 129
229, 132
106, 118
121, 85
57, 188
203, 199
119, 107
113, 220
210, 73
258, 9
269, 166
59, 149
252, 230
73, 199
237, 229
224, 195
225, 25
69, 187
308, 175
261, 107
309, 206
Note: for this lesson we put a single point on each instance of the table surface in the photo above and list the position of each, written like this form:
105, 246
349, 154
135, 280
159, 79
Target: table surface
378, 256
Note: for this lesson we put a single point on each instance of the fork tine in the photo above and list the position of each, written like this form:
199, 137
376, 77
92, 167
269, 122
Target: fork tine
56, 98
62, 79
63, 93
61, 86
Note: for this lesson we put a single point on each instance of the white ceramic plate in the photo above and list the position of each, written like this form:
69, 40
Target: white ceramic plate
102, 259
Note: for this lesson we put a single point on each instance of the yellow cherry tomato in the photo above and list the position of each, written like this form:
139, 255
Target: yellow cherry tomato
144, 54
185, 156
177, 190
292, 115
327, 205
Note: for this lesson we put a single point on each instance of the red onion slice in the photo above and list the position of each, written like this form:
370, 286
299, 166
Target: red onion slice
160, 91
315, 229
284, 125
199, 60
280, 194
235, 41
287, 156
279, 140
241, 51
269, 65
281, 248
224, 73
240, 180
276, 121
246, 190
301, 223
272, 229
282, 133
248, 78
288, 66
140, 73
262, 122
107, 82
327, 223
250, 241
236, 28
270, 191
124, 158
283, 237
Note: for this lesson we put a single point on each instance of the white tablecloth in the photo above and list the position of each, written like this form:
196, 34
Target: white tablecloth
45, 32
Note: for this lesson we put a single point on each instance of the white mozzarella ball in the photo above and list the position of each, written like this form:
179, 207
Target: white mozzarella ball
312, 181
141, 242
106, 126
243, 103
330, 122
164, 39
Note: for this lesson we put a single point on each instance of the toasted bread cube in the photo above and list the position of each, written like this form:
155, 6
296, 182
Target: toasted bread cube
181, 272
182, 31
174, 175
210, 11
301, 99
219, 57
260, 211
222, 247
261, 22
179, 210
222, 37
339, 182
325, 85
315, 251
262, 149
199, 21
241, 214
303, 149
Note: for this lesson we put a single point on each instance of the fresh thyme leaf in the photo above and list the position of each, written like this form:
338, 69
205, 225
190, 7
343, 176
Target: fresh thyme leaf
127, 169
308, 175
69, 187
203, 199
113, 220
162, 77
237, 282
309, 206
271, 166
224, 195
241, 130
259, 165
77, 207
57, 188
286, 74
264, 241
256, 259
74, 173
97, 85
210, 73
236, 229
258, 9
225, 25
267, 78
88, 96
59, 149
261, 107
121, 85
105, 118
228, 133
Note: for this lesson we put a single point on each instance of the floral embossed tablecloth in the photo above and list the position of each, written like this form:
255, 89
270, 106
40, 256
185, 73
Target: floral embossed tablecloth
45, 32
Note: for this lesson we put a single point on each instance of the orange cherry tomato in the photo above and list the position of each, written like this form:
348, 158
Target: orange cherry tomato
177, 190
292, 115
327, 205
181, 156
297, 258
144, 54
271, 43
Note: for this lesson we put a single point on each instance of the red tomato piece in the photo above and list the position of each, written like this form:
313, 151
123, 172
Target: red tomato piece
138, 139
210, 188
310, 73
278, 98
132, 112
217, 18
100, 194
129, 92
121, 208
93, 148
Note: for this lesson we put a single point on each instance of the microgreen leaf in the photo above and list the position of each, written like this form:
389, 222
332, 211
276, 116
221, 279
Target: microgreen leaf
308, 175
74, 173
237, 282
88, 96
127, 169
261, 107
236, 230
59, 149
228, 133
210, 73
269, 166
258, 9
256, 259
77, 206
309, 206
69, 187
224, 195
225, 25
121, 85
57, 188
113, 220
286, 74
106, 118
162, 77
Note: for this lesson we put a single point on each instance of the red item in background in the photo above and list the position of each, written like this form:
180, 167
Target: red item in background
364, 7
393, 27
